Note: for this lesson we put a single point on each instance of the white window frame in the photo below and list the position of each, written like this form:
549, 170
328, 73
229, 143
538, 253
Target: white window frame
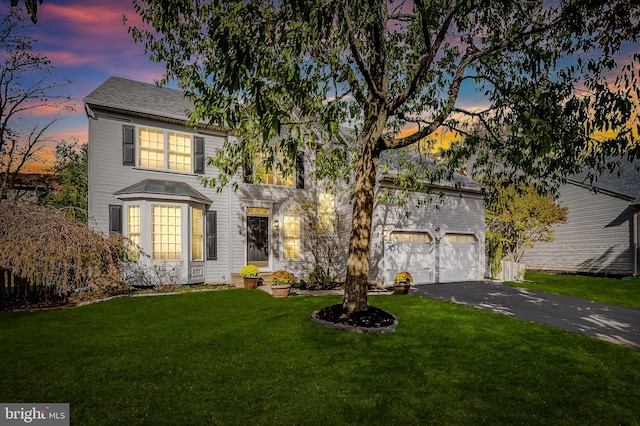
291, 209
194, 234
271, 176
165, 152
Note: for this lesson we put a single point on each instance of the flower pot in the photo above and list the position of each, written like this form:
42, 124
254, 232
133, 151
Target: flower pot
401, 288
250, 282
280, 290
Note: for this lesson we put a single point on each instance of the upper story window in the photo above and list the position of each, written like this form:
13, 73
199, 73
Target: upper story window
271, 175
162, 149
257, 172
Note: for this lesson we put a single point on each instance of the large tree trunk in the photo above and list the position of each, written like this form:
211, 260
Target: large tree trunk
357, 280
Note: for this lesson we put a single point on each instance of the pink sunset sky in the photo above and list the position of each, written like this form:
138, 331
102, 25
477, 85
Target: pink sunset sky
87, 42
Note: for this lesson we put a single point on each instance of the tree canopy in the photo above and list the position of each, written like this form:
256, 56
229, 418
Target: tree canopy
521, 217
280, 71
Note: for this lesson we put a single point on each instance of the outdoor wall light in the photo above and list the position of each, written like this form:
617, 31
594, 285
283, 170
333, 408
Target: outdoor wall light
276, 224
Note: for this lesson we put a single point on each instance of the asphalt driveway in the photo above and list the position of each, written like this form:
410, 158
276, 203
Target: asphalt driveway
607, 322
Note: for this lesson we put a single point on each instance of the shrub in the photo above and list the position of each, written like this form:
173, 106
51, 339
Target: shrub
48, 249
319, 279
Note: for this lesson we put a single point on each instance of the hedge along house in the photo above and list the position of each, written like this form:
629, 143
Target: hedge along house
602, 234
144, 182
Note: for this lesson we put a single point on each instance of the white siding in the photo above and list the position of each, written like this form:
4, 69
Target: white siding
597, 237
107, 175
461, 213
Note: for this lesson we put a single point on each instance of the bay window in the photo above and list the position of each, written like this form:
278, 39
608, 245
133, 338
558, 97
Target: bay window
166, 235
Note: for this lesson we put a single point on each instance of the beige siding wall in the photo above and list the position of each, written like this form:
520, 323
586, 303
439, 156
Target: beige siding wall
597, 237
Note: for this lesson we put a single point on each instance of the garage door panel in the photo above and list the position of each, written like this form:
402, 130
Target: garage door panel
458, 258
411, 252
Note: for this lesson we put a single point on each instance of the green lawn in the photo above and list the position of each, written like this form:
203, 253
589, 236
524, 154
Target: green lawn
607, 290
240, 357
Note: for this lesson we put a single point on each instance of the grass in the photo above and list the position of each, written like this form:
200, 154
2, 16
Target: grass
606, 290
240, 357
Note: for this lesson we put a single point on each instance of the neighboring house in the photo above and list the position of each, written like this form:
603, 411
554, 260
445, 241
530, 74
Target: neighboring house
144, 168
601, 234
26, 187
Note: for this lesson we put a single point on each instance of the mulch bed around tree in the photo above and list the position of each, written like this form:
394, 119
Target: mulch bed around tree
372, 320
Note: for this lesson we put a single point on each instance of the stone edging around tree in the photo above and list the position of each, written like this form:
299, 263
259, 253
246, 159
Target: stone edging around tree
356, 329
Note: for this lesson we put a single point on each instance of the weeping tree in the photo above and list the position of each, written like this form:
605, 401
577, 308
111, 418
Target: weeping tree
278, 71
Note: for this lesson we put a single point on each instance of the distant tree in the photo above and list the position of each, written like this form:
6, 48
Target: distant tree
278, 71
519, 216
70, 187
26, 87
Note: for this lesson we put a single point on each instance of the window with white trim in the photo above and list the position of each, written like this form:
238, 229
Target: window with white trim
166, 235
291, 232
133, 231
197, 234
326, 212
271, 175
159, 149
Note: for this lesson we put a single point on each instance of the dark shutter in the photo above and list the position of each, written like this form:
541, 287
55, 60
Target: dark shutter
299, 171
115, 218
128, 145
247, 172
212, 235
198, 154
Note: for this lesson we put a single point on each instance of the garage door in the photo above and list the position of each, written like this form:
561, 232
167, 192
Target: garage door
412, 252
458, 258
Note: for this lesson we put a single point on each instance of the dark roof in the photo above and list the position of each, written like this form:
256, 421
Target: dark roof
164, 188
120, 94
624, 182
457, 180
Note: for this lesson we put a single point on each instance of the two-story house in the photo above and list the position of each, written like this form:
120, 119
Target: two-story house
144, 168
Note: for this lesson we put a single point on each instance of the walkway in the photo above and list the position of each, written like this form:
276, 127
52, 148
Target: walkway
611, 323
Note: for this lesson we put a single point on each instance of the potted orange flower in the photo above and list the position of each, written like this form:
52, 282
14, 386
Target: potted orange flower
402, 282
282, 281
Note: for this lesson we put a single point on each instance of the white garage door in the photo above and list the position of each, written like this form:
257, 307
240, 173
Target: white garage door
458, 258
412, 252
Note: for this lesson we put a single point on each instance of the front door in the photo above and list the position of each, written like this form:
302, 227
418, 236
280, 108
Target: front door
258, 241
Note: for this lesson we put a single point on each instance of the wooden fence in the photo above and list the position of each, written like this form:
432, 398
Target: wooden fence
511, 271
16, 291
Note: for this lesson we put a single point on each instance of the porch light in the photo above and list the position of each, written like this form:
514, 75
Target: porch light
276, 224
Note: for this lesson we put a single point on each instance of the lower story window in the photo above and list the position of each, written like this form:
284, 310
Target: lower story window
196, 235
166, 233
133, 231
291, 236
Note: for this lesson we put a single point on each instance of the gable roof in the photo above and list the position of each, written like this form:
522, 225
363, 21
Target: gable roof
624, 183
123, 95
